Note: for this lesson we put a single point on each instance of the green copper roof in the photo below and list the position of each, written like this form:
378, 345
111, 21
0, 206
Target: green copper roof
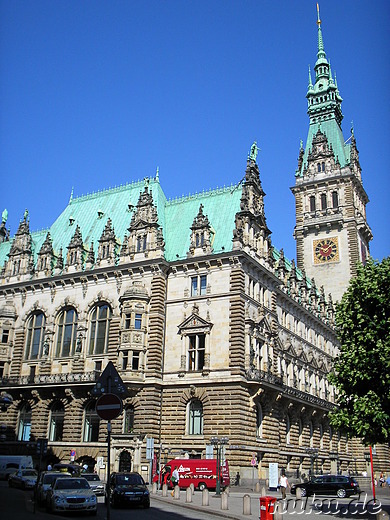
175, 217
324, 107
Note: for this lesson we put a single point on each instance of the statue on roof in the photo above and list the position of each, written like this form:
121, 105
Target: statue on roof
4, 216
25, 215
254, 151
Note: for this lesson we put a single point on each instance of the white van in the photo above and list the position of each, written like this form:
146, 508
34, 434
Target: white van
11, 463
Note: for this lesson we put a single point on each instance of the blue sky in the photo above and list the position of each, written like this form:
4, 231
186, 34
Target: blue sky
94, 94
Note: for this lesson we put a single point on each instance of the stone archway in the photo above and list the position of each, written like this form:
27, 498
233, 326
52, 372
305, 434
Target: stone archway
125, 461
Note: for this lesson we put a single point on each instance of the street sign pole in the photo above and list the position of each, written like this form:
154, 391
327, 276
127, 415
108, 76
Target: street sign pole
108, 487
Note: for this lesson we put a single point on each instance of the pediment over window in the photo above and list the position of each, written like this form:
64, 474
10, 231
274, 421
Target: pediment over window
193, 324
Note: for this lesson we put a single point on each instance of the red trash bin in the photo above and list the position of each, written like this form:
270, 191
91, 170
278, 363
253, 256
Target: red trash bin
267, 505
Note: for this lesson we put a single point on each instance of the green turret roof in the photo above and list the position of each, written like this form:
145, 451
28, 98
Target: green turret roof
324, 107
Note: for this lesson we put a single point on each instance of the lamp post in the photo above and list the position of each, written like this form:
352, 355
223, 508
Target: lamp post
313, 453
218, 442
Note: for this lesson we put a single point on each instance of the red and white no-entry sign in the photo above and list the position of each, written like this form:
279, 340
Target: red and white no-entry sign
109, 406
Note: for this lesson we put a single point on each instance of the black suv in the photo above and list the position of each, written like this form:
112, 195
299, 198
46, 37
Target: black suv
128, 489
339, 485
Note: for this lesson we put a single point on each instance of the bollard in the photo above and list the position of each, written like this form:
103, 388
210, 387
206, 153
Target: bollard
188, 495
257, 487
246, 505
298, 493
176, 493
165, 490
382, 515
205, 497
227, 490
263, 492
224, 501
154, 488
192, 488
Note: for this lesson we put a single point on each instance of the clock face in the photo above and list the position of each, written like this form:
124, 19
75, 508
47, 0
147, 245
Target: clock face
326, 250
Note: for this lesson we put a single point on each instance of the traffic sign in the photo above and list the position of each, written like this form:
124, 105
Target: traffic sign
109, 406
109, 382
253, 462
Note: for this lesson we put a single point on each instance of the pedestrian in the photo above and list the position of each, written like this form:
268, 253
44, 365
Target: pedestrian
49, 468
174, 479
284, 484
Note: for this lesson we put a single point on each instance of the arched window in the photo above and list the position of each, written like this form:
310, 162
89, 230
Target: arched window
99, 328
91, 423
195, 417
311, 433
259, 421
129, 419
35, 335
66, 333
335, 199
312, 203
323, 201
56, 428
288, 430
300, 433
24, 427
319, 167
323, 166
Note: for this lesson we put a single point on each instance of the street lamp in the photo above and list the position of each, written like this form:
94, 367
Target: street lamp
313, 453
5, 401
219, 442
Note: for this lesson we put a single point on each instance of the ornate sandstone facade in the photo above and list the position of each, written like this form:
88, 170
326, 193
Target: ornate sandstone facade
213, 331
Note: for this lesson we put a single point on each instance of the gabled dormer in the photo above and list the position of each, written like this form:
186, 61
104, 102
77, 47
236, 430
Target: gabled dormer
251, 231
20, 256
201, 235
76, 251
46, 257
145, 235
107, 245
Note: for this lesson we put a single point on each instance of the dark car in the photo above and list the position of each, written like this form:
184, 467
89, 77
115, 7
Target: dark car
96, 484
73, 469
128, 489
339, 485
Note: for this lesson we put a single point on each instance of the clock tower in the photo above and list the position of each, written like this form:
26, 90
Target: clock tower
331, 231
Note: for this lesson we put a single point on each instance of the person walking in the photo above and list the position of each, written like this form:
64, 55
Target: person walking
284, 484
174, 479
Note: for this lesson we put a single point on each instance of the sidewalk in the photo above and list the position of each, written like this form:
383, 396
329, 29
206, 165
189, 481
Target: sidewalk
314, 508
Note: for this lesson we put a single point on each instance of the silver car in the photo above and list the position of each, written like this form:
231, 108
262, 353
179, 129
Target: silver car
46, 480
96, 484
24, 478
71, 494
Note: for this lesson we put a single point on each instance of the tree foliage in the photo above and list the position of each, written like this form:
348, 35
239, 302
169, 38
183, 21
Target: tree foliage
362, 368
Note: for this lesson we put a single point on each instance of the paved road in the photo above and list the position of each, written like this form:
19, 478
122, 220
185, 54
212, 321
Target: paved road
16, 504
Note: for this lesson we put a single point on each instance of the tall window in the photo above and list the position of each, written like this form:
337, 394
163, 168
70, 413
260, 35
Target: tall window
35, 336
141, 243
138, 321
91, 423
259, 421
66, 333
99, 328
24, 429
196, 352
195, 417
288, 430
323, 201
129, 419
335, 199
56, 428
312, 203
198, 285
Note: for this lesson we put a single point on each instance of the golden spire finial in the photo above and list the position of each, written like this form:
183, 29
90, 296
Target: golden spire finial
318, 15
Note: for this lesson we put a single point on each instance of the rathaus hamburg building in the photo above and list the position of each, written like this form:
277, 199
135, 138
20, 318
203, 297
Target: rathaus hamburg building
213, 331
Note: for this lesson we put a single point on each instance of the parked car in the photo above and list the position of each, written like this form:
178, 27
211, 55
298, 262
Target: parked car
339, 485
128, 489
71, 494
12, 463
96, 484
73, 469
23, 478
45, 481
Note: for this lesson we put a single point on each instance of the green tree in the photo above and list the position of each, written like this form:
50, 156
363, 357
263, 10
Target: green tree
362, 368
